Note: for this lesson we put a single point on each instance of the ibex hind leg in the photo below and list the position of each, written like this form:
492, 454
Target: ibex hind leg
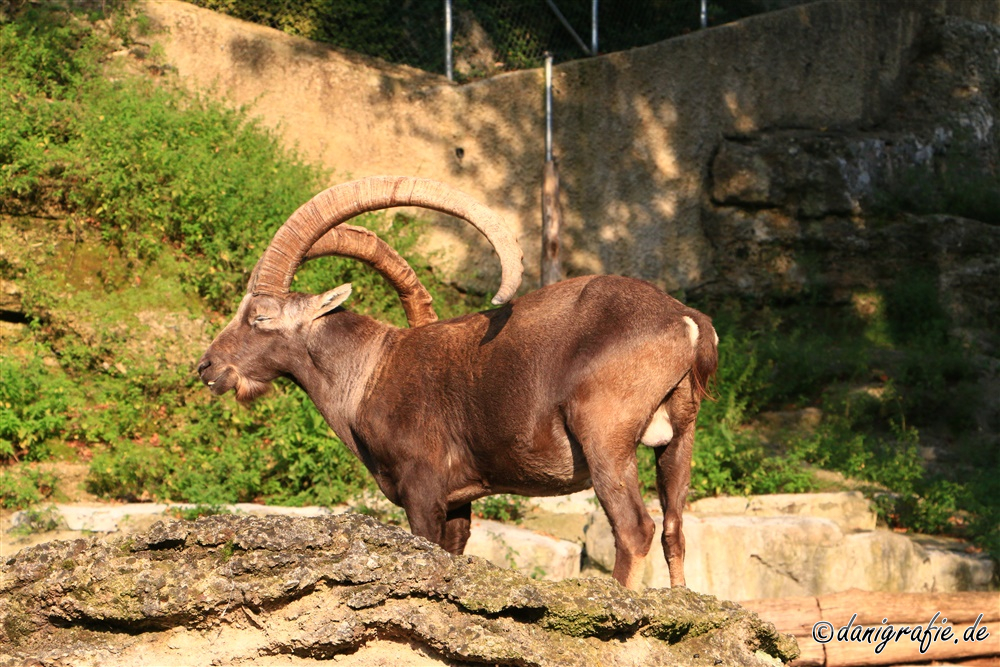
614, 471
616, 483
673, 478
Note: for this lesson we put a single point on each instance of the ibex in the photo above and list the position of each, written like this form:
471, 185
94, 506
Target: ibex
549, 394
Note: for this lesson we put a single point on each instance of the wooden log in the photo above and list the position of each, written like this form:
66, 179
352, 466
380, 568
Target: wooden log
798, 616
551, 222
795, 616
872, 607
853, 654
811, 654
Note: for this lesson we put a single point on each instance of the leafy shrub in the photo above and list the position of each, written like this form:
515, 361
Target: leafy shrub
142, 162
22, 485
503, 507
839, 444
33, 404
279, 450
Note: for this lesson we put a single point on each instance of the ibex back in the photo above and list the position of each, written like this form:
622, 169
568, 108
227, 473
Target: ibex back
549, 394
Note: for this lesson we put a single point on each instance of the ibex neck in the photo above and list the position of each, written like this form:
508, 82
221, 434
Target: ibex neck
345, 350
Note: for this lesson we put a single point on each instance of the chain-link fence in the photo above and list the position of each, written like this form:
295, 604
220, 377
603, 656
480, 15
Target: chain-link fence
488, 36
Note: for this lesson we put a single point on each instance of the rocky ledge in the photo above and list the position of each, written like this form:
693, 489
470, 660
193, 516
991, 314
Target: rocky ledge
238, 589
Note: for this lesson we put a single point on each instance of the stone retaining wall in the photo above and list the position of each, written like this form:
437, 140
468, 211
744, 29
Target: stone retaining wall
635, 131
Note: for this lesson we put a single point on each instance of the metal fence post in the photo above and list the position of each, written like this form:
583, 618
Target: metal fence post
593, 28
704, 13
551, 269
447, 41
548, 107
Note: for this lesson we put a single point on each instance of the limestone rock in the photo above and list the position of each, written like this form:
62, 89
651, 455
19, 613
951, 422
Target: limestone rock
851, 511
944, 129
850, 208
531, 553
773, 555
231, 589
562, 517
812, 174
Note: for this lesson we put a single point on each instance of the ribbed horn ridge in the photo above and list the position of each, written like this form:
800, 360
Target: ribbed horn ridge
340, 203
362, 244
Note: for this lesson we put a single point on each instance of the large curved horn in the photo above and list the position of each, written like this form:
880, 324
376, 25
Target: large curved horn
364, 245
342, 202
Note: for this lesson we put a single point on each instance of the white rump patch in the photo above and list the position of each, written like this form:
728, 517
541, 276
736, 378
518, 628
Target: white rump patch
692, 330
660, 431
716, 333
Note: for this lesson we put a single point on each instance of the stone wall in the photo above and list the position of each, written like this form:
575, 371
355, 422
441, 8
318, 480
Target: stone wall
635, 132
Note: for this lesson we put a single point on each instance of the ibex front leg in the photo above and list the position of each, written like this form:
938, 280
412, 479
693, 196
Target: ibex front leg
458, 525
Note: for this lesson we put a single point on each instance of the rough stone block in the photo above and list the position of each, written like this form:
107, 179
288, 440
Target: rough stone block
562, 517
850, 510
539, 556
328, 588
749, 557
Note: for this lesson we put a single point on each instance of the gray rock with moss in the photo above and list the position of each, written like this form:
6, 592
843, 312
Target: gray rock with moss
233, 589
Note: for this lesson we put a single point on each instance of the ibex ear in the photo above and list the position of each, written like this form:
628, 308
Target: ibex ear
324, 303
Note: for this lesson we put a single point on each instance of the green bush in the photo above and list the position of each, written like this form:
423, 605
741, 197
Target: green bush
502, 507
33, 406
277, 450
22, 486
144, 163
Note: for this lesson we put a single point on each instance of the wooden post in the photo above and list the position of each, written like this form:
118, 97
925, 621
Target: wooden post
551, 221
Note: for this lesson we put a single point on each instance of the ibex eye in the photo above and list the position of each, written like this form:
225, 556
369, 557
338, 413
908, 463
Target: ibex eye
261, 318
